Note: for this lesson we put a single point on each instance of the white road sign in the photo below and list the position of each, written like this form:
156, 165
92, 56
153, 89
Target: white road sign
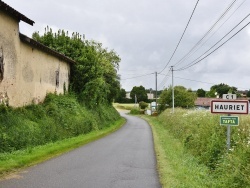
229, 96
229, 106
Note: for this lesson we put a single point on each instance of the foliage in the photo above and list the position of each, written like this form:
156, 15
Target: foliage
143, 105
223, 89
135, 111
205, 139
94, 77
182, 98
59, 117
201, 93
138, 93
176, 166
121, 96
248, 93
211, 93
10, 161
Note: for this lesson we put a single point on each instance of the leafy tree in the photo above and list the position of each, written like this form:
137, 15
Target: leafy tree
182, 98
223, 89
94, 77
201, 93
121, 96
248, 93
140, 94
211, 93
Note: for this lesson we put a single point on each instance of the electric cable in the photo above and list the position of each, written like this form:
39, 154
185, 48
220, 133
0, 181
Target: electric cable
207, 33
192, 64
221, 39
181, 37
137, 76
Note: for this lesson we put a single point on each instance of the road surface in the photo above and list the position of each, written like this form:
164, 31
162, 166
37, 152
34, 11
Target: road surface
124, 159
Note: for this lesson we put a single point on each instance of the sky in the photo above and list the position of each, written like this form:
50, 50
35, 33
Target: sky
149, 37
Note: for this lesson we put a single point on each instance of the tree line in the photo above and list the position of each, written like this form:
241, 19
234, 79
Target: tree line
184, 97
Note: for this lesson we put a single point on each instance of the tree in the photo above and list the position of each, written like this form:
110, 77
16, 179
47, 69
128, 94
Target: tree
94, 77
222, 88
143, 105
201, 93
140, 94
248, 93
121, 96
182, 98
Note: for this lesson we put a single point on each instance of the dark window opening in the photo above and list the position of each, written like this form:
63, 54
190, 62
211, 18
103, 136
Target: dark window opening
1, 64
57, 78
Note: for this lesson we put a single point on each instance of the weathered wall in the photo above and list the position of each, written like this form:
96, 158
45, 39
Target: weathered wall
28, 73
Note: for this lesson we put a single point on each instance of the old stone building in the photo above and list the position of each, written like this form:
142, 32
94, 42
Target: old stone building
28, 69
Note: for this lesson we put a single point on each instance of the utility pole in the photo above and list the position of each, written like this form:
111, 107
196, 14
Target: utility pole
172, 69
156, 90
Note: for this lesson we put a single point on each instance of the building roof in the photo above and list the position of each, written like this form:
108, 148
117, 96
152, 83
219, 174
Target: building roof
15, 14
40, 46
204, 101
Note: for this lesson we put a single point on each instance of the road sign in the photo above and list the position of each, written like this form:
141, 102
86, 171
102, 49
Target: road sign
229, 120
229, 96
229, 106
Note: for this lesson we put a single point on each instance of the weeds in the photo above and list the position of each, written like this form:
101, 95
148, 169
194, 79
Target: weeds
205, 139
59, 117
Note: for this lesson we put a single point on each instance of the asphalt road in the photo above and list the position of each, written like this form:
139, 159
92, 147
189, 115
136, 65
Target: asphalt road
124, 159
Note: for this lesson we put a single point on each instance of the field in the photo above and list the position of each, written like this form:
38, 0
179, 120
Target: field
125, 106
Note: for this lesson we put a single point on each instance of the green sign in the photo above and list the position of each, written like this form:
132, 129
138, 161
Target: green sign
229, 120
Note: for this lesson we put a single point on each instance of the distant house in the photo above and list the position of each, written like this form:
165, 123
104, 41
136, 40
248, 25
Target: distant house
28, 69
128, 95
204, 102
150, 95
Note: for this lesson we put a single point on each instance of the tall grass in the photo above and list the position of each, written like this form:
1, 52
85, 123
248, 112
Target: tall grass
203, 137
177, 168
59, 117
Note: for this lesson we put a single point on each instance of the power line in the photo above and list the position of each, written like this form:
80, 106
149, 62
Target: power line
206, 34
181, 37
210, 83
164, 79
137, 76
192, 64
190, 79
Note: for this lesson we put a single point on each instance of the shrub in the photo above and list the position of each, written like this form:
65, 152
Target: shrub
59, 117
135, 111
143, 105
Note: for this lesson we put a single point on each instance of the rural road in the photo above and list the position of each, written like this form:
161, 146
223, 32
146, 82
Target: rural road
124, 159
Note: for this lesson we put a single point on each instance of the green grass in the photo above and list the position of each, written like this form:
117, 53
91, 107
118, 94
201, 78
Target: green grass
177, 168
125, 106
11, 162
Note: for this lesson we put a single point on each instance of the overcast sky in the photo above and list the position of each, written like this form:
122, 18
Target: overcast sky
145, 34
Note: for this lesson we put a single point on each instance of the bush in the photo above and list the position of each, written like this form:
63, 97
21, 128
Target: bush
143, 105
135, 111
59, 117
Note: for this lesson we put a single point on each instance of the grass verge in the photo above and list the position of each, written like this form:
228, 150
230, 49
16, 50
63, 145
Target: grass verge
14, 161
176, 167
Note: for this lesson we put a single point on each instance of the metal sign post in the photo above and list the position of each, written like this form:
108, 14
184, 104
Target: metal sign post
228, 136
229, 106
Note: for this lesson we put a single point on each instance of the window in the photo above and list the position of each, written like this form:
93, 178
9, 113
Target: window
1, 64
57, 78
